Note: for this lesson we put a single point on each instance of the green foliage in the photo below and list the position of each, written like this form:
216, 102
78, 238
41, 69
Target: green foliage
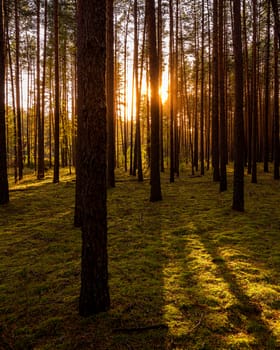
185, 273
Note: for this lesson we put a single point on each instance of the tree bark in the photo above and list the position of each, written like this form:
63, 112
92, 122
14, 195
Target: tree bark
238, 181
215, 97
254, 95
18, 112
171, 93
155, 194
110, 88
202, 95
222, 107
275, 9
4, 187
276, 103
57, 92
266, 94
40, 169
91, 59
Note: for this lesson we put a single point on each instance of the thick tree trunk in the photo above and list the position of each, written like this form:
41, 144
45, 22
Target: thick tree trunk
155, 194
110, 88
91, 59
276, 104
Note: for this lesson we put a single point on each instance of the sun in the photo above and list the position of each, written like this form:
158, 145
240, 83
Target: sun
163, 93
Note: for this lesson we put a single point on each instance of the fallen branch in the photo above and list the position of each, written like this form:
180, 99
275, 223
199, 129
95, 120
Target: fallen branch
140, 329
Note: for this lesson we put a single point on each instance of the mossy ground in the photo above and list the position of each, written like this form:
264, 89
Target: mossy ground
185, 273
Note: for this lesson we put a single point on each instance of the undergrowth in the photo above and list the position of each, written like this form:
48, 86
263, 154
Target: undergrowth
185, 273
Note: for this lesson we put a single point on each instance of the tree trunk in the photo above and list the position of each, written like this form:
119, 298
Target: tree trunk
202, 95
18, 112
91, 59
222, 111
40, 139
160, 59
155, 194
275, 9
276, 103
238, 181
215, 97
247, 96
110, 88
13, 107
254, 95
171, 92
57, 97
137, 90
266, 94
4, 188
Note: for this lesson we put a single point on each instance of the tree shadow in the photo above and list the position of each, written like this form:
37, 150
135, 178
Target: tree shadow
136, 262
245, 313
224, 317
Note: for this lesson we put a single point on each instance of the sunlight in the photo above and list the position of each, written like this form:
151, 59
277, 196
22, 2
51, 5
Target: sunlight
129, 109
164, 87
163, 93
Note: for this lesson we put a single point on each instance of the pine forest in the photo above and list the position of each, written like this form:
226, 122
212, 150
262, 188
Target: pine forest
139, 174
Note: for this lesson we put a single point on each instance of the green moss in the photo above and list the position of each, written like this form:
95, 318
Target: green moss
208, 274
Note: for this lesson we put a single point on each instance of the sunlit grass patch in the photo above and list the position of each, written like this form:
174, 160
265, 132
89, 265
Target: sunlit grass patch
240, 341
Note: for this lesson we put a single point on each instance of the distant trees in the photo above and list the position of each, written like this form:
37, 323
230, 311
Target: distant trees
190, 53
91, 60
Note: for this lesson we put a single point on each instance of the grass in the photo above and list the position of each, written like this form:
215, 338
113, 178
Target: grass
185, 273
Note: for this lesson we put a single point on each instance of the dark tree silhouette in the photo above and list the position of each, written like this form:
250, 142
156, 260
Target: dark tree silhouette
238, 182
57, 99
17, 87
4, 189
222, 102
215, 97
254, 95
40, 138
276, 103
275, 9
91, 59
110, 95
154, 83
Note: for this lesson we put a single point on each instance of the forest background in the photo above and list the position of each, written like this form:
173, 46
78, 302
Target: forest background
197, 48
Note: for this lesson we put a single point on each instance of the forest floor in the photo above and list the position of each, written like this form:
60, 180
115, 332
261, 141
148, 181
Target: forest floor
185, 273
